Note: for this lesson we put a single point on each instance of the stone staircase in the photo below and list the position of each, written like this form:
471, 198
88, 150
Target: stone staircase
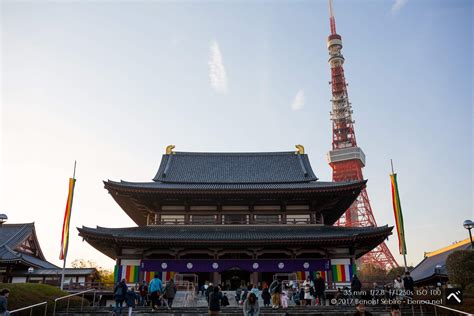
237, 310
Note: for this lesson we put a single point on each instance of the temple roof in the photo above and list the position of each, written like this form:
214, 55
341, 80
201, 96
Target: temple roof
108, 239
234, 168
11, 238
426, 269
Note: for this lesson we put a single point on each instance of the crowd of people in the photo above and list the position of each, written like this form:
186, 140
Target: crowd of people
154, 294
310, 292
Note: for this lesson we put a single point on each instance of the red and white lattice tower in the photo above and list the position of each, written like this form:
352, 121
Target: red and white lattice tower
346, 158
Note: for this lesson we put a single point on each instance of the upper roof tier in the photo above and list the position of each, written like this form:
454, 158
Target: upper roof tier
235, 168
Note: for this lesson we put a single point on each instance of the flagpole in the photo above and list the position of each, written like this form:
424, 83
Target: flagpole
404, 253
65, 254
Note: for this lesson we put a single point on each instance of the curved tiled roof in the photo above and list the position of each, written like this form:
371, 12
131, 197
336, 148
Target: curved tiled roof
321, 185
241, 233
235, 168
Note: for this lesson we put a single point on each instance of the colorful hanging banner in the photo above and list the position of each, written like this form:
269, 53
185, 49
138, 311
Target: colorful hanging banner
397, 211
67, 220
129, 273
342, 272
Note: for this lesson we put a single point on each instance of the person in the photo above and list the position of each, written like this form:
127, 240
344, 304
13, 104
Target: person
301, 297
308, 281
307, 294
4, 293
409, 284
251, 307
398, 286
155, 288
120, 291
255, 291
215, 299
169, 293
225, 300
238, 294
209, 291
131, 299
360, 307
284, 299
319, 288
143, 292
266, 297
356, 286
395, 310
275, 291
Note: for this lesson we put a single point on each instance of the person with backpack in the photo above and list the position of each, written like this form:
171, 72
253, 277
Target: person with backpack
215, 299
169, 292
275, 291
155, 288
120, 291
131, 298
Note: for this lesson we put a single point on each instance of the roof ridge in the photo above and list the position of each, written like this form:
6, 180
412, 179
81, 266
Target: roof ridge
448, 248
17, 233
233, 153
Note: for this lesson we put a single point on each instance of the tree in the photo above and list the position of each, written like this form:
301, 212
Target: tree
398, 271
460, 267
105, 275
370, 273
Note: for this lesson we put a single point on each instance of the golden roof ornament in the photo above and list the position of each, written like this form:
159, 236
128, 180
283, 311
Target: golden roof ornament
299, 149
169, 149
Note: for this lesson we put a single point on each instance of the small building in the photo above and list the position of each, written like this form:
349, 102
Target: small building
237, 219
432, 269
22, 261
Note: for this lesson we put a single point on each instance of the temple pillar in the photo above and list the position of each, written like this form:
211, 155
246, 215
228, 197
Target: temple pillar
254, 278
216, 278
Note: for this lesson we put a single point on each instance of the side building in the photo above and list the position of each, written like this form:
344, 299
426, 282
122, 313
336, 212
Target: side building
235, 218
22, 260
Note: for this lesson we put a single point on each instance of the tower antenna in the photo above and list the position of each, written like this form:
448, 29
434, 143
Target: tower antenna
332, 20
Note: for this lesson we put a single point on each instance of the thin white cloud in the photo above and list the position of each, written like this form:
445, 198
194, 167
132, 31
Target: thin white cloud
217, 73
398, 5
298, 101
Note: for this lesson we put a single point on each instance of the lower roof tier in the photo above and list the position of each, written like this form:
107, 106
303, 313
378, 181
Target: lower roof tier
111, 241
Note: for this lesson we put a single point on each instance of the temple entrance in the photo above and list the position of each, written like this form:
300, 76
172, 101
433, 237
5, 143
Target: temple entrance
235, 278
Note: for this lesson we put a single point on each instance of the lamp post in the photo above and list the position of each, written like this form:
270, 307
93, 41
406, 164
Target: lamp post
468, 224
30, 271
438, 274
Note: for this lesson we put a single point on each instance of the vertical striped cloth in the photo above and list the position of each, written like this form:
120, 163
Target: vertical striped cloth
397, 210
67, 219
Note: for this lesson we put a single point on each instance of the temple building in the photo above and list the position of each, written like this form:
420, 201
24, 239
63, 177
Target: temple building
22, 260
235, 218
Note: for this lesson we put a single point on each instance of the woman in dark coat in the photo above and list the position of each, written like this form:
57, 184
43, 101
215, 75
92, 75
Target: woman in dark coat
266, 297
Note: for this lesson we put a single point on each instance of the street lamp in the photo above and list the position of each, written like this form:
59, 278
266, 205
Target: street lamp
30, 271
468, 224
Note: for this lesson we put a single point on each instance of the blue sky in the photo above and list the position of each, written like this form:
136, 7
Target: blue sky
111, 84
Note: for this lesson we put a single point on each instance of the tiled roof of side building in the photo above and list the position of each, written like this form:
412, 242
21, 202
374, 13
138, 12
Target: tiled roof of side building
426, 268
235, 232
235, 168
13, 234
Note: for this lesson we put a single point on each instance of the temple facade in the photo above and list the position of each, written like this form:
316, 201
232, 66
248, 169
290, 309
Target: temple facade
235, 218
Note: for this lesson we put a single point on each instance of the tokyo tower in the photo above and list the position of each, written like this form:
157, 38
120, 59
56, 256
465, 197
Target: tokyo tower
346, 158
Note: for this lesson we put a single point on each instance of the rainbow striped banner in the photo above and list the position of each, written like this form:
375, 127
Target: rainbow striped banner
129, 273
342, 272
165, 276
397, 211
67, 220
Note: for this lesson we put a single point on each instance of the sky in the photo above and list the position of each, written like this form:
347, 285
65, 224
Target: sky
111, 84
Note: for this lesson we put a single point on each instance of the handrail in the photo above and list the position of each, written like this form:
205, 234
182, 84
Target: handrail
448, 308
71, 295
31, 307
